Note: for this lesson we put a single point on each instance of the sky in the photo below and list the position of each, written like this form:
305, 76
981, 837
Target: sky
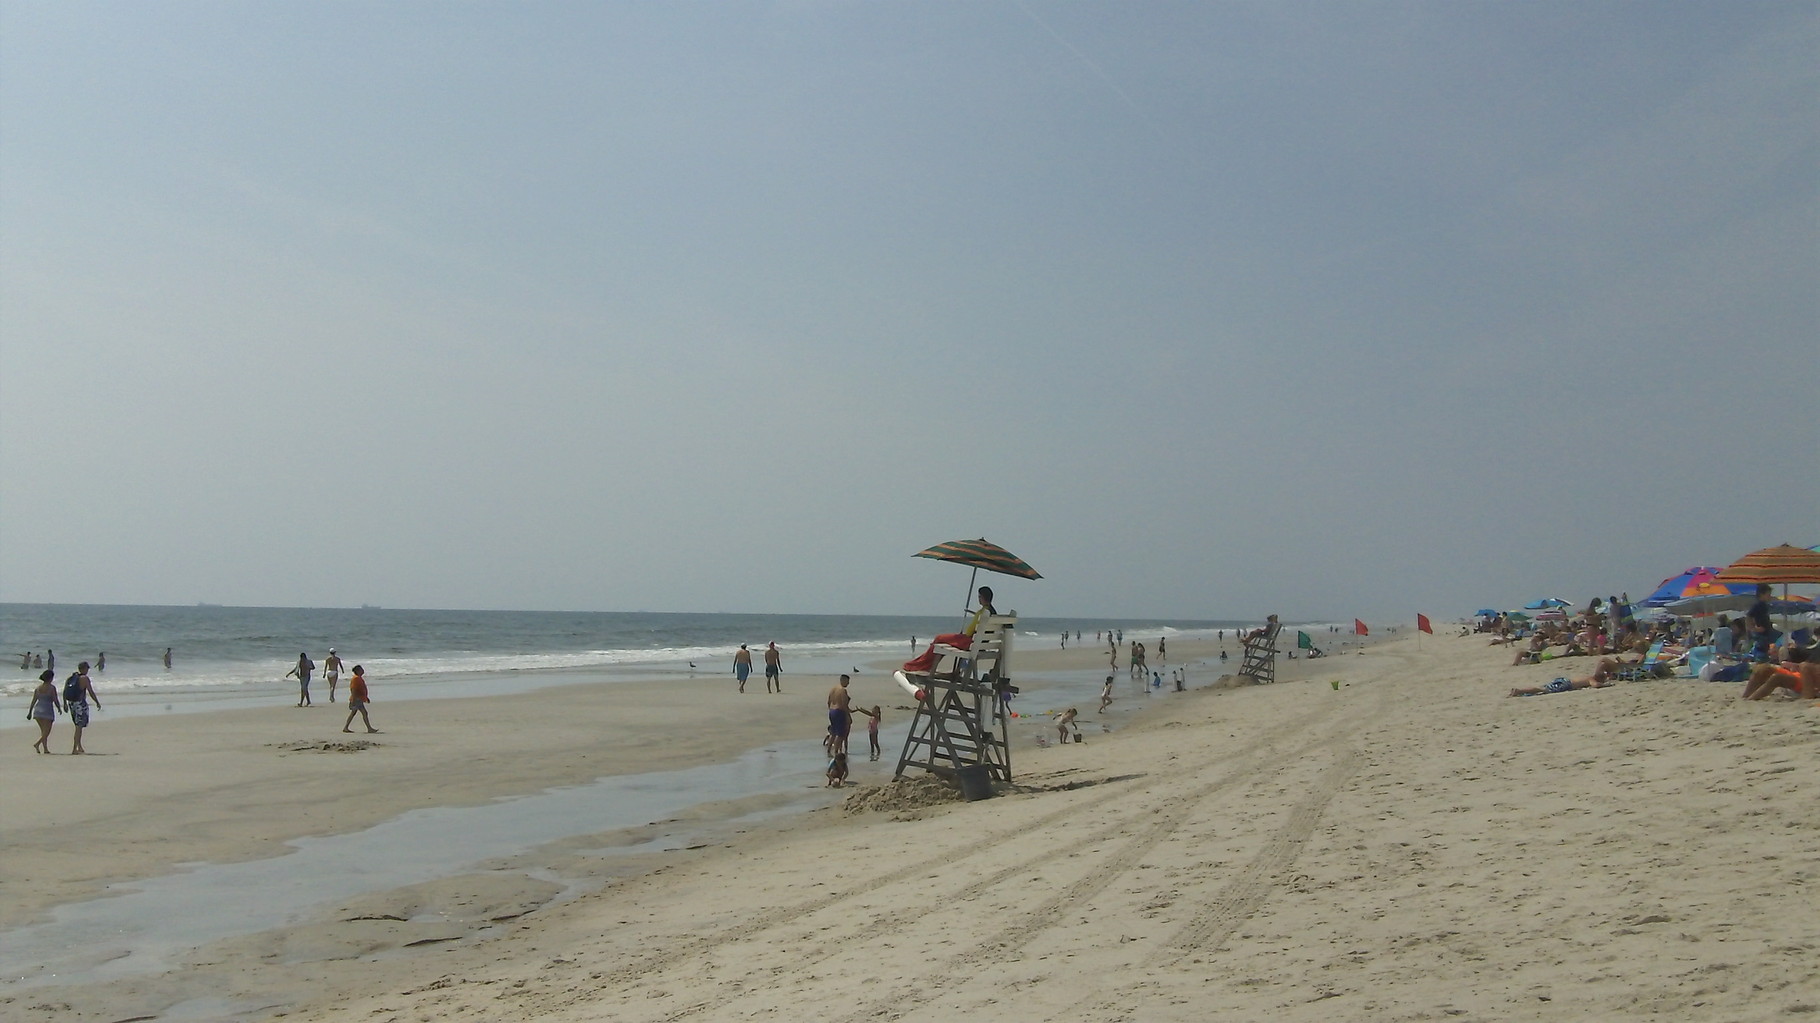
1206, 310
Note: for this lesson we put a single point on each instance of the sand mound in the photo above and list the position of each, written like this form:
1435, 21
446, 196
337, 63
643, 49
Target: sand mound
343, 746
904, 794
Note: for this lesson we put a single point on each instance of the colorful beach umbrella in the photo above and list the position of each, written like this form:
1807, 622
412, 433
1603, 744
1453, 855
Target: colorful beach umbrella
1675, 587
980, 554
1783, 564
1546, 603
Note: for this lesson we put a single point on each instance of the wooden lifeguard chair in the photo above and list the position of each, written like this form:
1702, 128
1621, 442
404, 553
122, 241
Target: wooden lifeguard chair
960, 714
1260, 664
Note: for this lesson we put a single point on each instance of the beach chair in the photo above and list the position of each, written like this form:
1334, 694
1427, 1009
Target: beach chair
991, 647
1260, 663
1646, 669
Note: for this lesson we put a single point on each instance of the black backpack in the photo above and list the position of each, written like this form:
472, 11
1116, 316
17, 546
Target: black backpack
72, 689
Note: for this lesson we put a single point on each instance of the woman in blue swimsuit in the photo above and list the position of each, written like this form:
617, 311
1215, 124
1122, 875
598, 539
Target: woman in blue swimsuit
44, 709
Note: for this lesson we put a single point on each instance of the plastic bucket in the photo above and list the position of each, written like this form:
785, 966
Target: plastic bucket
976, 782
1698, 658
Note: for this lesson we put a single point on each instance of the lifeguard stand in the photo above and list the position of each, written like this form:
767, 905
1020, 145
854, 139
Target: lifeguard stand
1260, 664
960, 717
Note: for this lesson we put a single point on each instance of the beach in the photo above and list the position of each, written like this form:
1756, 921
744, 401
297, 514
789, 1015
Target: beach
1407, 844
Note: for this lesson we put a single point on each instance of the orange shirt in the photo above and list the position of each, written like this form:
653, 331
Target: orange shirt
357, 689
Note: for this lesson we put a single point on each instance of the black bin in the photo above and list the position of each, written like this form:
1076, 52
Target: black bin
976, 782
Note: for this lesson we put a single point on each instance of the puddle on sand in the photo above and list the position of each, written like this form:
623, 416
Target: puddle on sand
147, 930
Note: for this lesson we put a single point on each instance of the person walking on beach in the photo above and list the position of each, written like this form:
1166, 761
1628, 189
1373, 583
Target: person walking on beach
774, 667
331, 670
77, 692
742, 666
167, 658
302, 674
1106, 695
840, 715
358, 700
44, 708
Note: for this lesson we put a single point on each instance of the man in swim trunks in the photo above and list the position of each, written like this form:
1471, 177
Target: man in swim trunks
742, 666
840, 716
774, 667
76, 702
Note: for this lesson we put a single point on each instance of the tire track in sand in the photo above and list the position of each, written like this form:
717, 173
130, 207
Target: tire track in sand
1032, 922
947, 860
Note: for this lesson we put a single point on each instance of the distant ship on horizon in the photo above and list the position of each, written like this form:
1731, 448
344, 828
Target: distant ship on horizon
371, 607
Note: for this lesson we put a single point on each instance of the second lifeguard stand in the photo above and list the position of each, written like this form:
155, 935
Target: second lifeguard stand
1260, 664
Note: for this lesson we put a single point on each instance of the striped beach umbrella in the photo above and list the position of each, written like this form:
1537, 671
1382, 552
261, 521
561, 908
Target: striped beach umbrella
980, 554
1782, 564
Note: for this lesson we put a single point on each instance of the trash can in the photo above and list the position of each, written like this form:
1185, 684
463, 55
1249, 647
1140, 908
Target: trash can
976, 782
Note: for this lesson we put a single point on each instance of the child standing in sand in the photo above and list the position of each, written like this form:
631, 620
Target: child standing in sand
358, 700
871, 727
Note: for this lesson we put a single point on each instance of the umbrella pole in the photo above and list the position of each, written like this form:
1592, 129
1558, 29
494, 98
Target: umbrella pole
969, 599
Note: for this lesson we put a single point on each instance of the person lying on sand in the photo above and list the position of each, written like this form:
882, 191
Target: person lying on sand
1597, 680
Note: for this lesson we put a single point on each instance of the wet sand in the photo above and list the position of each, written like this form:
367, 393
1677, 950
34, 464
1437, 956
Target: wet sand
1411, 845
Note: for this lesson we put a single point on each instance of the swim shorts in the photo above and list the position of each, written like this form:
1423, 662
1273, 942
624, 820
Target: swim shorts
839, 722
1559, 685
772, 671
79, 713
740, 671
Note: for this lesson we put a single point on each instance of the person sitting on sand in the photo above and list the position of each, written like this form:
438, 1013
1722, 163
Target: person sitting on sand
961, 640
1597, 680
358, 700
837, 771
1796, 673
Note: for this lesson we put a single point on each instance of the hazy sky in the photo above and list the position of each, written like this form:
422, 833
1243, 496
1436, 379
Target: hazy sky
1205, 309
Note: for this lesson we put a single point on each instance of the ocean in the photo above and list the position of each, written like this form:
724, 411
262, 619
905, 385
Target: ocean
221, 652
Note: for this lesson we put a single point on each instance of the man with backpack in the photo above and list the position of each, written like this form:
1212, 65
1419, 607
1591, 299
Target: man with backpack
77, 692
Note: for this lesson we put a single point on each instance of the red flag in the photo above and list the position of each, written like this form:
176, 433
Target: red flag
1359, 629
1422, 623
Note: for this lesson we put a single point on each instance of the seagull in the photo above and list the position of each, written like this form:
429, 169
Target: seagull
691, 664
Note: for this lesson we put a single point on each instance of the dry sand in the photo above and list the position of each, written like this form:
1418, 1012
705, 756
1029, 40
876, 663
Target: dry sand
1411, 846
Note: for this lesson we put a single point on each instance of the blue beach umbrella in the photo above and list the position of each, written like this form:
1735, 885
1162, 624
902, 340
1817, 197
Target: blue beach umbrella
1545, 603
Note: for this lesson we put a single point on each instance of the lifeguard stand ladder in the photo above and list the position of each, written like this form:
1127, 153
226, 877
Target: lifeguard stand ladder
1260, 664
960, 720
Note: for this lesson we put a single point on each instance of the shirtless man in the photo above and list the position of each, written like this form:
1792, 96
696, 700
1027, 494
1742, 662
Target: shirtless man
742, 667
331, 670
840, 716
774, 667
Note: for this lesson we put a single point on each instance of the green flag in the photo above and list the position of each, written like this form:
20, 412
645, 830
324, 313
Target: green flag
1302, 641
